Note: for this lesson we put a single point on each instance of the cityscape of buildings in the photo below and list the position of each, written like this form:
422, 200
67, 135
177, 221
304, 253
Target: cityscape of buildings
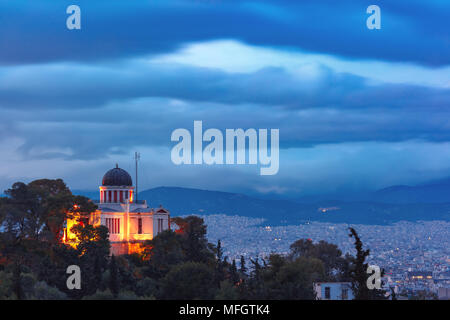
414, 255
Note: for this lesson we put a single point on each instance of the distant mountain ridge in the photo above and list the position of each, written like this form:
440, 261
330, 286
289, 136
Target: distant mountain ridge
184, 201
436, 192
432, 192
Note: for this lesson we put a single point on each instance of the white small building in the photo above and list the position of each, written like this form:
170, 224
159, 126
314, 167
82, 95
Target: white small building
333, 291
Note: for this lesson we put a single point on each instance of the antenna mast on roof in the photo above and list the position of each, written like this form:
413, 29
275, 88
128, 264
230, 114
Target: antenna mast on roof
137, 157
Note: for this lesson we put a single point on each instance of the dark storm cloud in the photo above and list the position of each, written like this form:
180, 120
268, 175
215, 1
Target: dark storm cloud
78, 86
34, 31
120, 127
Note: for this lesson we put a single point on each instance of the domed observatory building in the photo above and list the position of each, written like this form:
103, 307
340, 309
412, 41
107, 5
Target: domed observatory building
130, 222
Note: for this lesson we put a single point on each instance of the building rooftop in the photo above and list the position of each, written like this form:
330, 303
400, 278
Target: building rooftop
117, 177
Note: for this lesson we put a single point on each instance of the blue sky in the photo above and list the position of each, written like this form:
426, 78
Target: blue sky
357, 109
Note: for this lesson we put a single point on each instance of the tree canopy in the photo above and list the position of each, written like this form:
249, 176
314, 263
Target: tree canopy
180, 264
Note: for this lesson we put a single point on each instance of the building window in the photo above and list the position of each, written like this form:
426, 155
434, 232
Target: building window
327, 293
109, 196
344, 294
113, 225
139, 225
160, 225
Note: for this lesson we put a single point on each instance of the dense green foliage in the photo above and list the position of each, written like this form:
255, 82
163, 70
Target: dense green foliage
178, 264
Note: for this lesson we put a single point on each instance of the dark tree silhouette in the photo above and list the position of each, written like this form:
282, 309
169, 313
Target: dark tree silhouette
113, 277
243, 269
234, 275
17, 282
220, 264
358, 272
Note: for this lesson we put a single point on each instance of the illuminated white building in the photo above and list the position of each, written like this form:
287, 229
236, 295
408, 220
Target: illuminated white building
130, 222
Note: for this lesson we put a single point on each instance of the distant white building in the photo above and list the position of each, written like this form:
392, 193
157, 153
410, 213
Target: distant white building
333, 291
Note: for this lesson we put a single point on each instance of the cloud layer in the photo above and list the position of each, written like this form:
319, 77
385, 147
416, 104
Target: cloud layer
414, 30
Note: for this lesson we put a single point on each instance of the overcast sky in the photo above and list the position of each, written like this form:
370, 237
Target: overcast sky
357, 109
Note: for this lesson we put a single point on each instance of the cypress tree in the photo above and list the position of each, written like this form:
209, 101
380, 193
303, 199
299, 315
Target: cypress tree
234, 276
219, 268
219, 251
243, 269
358, 273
